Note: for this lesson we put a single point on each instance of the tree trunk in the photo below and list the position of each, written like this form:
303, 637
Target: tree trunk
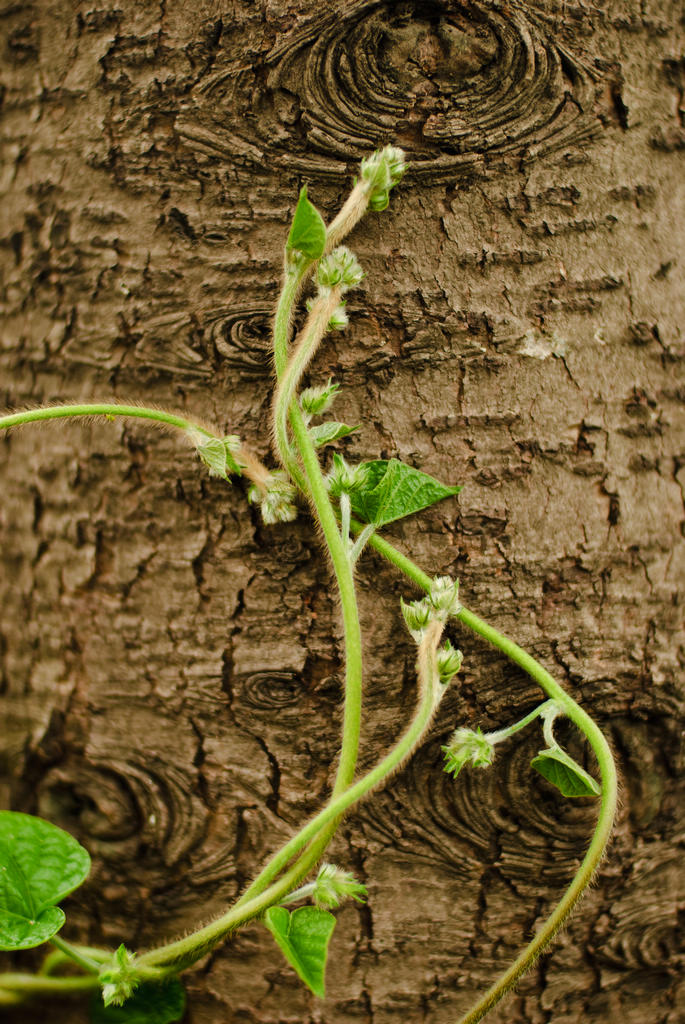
170, 668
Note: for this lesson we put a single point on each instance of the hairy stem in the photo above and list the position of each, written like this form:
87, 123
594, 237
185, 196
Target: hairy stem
78, 955
601, 749
294, 278
284, 396
186, 951
107, 409
315, 488
18, 985
196, 432
503, 734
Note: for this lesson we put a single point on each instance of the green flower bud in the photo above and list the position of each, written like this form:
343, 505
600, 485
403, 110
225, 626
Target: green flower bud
444, 596
339, 320
380, 172
218, 453
468, 746
333, 886
339, 269
119, 977
344, 479
449, 662
417, 615
277, 504
315, 401
379, 201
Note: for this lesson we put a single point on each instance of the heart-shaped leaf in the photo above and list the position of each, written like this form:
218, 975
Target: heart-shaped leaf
562, 771
40, 864
303, 938
308, 231
393, 490
150, 1004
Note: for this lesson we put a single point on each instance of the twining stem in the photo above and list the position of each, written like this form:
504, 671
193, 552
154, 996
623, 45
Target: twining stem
315, 488
602, 752
110, 410
184, 952
312, 333
16, 986
503, 734
56, 958
76, 954
251, 467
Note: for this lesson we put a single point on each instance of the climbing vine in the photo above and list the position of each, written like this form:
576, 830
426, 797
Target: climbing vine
351, 503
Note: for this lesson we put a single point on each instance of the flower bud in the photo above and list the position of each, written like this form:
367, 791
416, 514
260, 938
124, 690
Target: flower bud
277, 503
219, 454
449, 662
119, 978
444, 596
340, 319
344, 479
333, 886
468, 746
380, 172
339, 269
315, 401
417, 615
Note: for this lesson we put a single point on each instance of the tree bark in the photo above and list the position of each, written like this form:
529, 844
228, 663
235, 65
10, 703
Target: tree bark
170, 669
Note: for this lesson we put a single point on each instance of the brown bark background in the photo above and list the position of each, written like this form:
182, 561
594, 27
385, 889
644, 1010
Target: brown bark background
170, 668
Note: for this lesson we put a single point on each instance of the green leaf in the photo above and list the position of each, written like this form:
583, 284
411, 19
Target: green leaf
303, 937
308, 231
326, 433
562, 771
151, 1003
217, 455
40, 864
393, 490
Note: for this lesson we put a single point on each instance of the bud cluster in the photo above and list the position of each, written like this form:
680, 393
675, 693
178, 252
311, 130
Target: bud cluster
344, 479
333, 886
468, 746
449, 662
444, 597
439, 605
339, 270
315, 401
380, 172
276, 499
119, 977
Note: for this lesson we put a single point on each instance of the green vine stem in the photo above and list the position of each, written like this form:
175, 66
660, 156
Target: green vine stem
196, 432
605, 760
108, 410
352, 712
312, 333
58, 957
503, 734
77, 954
14, 987
184, 952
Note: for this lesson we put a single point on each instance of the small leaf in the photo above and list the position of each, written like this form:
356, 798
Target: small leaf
217, 455
151, 1003
308, 231
326, 433
303, 938
562, 771
40, 864
393, 490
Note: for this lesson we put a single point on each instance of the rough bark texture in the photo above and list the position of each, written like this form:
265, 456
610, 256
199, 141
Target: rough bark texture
170, 669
